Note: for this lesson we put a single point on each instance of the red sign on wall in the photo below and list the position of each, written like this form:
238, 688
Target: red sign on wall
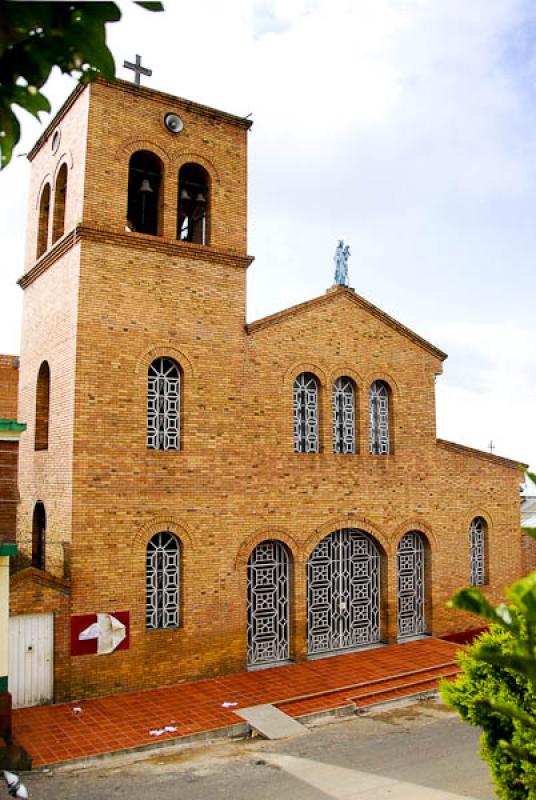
83, 647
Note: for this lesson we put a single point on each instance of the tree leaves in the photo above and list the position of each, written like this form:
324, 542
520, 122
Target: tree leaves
35, 37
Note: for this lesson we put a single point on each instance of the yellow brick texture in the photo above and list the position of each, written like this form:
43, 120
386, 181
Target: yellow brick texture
107, 305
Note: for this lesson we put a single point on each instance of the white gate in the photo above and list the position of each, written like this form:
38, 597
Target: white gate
31, 662
268, 604
343, 587
410, 558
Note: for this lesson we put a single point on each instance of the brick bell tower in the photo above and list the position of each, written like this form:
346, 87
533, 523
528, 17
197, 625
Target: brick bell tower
136, 252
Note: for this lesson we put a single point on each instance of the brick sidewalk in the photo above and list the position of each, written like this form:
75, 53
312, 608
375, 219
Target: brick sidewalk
57, 733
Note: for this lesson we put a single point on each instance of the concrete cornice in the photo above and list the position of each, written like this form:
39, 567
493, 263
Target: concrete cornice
138, 241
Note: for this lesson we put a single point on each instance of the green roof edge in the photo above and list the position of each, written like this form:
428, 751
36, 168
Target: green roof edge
8, 549
12, 425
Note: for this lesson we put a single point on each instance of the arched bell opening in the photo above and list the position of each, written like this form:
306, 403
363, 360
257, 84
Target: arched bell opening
144, 183
193, 214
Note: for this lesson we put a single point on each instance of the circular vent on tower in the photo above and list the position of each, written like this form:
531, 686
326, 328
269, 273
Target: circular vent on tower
173, 123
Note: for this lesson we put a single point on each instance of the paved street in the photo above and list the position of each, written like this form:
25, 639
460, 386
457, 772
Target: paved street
419, 752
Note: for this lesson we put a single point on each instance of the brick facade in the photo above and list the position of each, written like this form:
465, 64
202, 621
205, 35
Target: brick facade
102, 303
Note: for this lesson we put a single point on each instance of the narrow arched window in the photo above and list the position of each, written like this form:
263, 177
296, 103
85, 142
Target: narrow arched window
306, 414
379, 419
42, 407
163, 405
39, 526
60, 196
162, 581
144, 179
344, 440
42, 226
193, 204
477, 547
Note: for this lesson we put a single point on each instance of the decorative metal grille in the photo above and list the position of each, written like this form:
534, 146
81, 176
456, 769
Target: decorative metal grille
268, 604
343, 590
162, 581
306, 414
343, 416
410, 563
379, 419
477, 538
163, 405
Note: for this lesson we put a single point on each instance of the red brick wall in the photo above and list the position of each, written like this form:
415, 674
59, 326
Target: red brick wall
9, 378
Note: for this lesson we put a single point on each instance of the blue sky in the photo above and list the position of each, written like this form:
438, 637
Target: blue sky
405, 127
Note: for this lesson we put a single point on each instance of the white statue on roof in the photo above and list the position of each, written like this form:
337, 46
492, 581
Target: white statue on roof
342, 253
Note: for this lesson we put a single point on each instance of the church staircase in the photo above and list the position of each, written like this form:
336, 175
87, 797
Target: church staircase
366, 694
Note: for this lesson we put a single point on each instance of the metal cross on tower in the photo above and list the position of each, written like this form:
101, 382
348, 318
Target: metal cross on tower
491, 446
137, 69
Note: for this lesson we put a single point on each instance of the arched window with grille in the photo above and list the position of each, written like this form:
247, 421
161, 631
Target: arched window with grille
193, 204
39, 526
42, 407
60, 197
477, 548
306, 414
163, 405
379, 398
42, 224
344, 438
162, 581
144, 179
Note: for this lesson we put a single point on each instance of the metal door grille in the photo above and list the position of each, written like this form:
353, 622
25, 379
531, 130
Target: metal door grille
163, 405
410, 563
343, 416
306, 414
162, 581
343, 588
268, 604
379, 419
477, 537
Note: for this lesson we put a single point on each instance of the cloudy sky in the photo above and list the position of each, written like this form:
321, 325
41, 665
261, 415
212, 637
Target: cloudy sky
405, 127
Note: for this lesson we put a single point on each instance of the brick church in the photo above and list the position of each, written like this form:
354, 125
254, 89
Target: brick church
198, 494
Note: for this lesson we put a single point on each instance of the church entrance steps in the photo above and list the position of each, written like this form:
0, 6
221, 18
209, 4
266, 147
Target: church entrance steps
180, 712
368, 693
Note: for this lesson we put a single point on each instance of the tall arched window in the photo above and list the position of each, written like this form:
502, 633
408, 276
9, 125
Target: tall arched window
42, 407
144, 179
306, 414
162, 581
60, 195
477, 547
39, 526
193, 204
379, 419
344, 416
42, 227
163, 405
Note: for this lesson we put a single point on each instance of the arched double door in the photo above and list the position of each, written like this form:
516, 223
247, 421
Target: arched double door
343, 592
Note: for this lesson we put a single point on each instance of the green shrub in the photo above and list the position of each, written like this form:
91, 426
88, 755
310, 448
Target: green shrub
506, 741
